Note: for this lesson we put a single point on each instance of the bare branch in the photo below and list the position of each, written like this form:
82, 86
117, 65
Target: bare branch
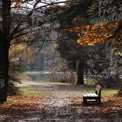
50, 4
20, 35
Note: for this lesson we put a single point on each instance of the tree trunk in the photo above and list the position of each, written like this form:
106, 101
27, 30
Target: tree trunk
80, 72
4, 64
4, 49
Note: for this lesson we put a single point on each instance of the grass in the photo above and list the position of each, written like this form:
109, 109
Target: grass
108, 92
31, 91
89, 87
83, 89
104, 92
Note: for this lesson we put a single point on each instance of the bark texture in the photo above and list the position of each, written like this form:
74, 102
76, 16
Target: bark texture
80, 72
4, 49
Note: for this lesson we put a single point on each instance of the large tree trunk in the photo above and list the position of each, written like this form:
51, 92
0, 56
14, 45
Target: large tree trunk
4, 49
4, 64
80, 72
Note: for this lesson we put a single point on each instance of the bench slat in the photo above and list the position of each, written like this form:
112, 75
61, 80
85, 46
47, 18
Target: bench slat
90, 95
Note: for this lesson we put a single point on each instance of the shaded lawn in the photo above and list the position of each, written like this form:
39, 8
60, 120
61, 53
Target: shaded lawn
46, 87
29, 106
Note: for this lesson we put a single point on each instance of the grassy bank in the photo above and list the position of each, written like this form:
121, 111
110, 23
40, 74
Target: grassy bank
46, 88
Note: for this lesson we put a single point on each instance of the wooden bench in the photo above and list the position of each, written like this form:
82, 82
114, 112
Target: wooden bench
93, 97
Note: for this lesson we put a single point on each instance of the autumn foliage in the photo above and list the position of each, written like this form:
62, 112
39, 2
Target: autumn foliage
91, 34
16, 3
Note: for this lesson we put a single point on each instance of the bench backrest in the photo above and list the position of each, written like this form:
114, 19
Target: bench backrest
98, 90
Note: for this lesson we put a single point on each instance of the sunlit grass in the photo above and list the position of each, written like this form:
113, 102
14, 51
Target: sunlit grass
88, 87
104, 92
107, 92
31, 91
82, 89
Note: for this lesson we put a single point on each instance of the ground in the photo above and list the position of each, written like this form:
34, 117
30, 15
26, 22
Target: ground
58, 102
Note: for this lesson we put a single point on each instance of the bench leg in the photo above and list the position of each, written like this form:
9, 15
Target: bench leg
98, 101
84, 100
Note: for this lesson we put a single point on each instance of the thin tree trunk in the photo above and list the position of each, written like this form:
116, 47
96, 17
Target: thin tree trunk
80, 72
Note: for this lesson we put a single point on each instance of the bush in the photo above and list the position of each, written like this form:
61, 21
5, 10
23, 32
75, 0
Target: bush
14, 72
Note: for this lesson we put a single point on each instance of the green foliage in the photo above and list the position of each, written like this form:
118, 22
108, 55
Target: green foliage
14, 71
120, 93
72, 10
71, 52
12, 89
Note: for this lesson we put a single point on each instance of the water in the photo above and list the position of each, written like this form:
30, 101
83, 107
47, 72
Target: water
38, 75
51, 76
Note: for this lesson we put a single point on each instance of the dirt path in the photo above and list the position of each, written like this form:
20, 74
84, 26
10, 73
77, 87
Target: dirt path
60, 93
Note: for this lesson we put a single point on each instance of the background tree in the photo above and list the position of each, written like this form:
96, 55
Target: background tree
16, 66
74, 14
88, 34
75, 55
104, 32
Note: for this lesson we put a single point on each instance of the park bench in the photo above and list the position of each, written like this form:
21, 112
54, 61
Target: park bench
93, 97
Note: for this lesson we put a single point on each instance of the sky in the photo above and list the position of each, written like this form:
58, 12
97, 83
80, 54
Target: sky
32, 2
29, 5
